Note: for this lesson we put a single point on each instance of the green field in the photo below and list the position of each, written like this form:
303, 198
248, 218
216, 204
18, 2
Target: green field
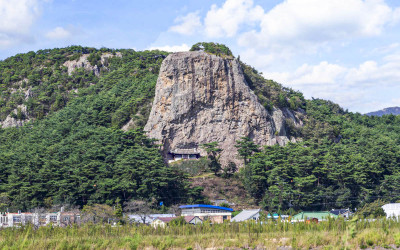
332, 234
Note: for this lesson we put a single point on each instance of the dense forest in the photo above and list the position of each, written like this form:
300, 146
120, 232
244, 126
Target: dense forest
344, 160
79, 154
74, 151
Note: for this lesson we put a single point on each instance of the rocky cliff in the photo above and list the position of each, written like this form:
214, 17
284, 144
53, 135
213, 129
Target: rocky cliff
201, 98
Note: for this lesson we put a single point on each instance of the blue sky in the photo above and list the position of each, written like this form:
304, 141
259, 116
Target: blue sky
347, 51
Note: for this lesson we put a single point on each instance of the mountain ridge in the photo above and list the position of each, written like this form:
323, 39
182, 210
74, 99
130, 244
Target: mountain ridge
385, 111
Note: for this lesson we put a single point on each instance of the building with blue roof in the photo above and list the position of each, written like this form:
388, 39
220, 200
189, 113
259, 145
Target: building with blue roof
215, 214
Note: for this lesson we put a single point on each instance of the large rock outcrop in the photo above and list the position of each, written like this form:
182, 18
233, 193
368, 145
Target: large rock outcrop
201, 98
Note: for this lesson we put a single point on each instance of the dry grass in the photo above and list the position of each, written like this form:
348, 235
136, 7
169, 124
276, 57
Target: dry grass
327, 235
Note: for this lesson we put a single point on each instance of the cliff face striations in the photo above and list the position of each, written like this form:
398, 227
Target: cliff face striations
201, 98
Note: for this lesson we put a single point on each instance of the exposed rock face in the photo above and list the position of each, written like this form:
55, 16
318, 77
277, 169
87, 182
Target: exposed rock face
201, 98
10, 121
83, 62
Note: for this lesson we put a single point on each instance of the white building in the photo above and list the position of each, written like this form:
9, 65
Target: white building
37, 219
162, 221
215, 214
245, 215
147, 219
392, 210
183, 154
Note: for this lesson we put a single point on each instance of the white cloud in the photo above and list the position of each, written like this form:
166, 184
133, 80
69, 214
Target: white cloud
323, 73
386, 49
174, 48
314, 22
17, 17
187, 25
357, 87
226, 20
59, 33
367, 73
396, 16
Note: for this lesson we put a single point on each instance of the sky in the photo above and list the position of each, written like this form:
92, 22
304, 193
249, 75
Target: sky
346, 51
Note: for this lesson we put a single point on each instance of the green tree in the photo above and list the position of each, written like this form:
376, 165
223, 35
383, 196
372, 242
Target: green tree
4, 202
212, 48
229, 170
98, 214
246, 147
118, 209
179, 221
373, 209
213, 154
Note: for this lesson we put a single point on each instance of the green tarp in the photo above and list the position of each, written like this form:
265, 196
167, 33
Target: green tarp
312, 215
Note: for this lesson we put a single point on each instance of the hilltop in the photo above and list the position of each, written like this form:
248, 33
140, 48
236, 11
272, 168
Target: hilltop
73, 133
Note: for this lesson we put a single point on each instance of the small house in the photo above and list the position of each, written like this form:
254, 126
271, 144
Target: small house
392, 210
68, 218
161, 221
247, 215
193, 220
207, 212
146, 219
345, 213
183, 154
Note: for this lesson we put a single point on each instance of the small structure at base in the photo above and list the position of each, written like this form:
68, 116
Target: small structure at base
345, 213
193, 220
207, 212
162, 221
146, 219
392, 210
183, 154
245, 215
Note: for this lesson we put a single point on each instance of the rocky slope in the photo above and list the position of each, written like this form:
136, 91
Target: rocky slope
25, 89
83, 62
202, 98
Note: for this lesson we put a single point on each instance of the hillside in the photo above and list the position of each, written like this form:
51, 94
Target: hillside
386, 111
84, 142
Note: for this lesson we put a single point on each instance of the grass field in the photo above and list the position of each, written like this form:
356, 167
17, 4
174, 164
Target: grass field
332, 234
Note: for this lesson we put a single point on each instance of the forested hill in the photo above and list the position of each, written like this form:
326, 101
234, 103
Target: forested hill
75, 101
386, 111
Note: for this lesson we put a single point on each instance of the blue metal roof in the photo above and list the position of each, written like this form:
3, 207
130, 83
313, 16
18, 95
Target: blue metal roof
206, 206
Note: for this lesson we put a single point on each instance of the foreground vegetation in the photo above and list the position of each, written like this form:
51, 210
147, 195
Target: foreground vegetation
333, 234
